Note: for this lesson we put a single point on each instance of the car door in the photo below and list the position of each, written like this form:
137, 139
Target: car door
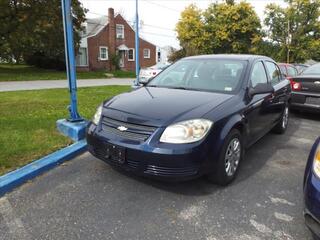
258, 108
278, 99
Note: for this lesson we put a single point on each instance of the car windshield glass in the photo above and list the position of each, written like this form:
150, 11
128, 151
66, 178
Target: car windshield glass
312, 70
217, 75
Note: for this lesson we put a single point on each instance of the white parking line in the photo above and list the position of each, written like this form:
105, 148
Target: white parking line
13, 223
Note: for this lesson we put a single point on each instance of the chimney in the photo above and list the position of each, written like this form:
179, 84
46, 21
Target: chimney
112, 32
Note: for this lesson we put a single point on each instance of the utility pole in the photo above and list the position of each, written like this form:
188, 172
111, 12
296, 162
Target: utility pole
75, 126
70, 60
137, 46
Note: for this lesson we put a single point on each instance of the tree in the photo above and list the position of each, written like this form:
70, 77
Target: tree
222, 28
190, 30
32, 30
232, 28
295, 28
176, 55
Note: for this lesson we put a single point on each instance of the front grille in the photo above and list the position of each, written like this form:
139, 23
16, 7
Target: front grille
166, 171
134, 132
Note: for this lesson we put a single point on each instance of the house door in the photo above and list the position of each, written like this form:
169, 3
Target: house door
122, 58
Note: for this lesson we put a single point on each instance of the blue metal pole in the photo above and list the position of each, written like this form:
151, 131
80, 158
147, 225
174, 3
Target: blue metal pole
137, 46
70, 60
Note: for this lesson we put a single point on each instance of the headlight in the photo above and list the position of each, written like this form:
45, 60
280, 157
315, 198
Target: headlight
316, 162
97, 115
186, 131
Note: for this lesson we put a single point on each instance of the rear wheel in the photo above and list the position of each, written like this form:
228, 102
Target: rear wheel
230, 157
281, 127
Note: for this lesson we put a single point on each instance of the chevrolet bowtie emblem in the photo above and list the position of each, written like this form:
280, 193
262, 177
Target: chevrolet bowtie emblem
122, 128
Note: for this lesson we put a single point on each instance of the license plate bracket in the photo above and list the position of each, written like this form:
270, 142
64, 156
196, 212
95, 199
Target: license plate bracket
313, 100
116, 153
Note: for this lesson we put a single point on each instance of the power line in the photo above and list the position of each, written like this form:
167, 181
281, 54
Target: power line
158, 34
144, 24
160, 5
150, 33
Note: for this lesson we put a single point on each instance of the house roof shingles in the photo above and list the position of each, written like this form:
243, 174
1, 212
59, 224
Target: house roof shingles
94, 25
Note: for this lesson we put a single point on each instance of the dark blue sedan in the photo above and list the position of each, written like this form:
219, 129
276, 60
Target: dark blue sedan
195, 118
311, 189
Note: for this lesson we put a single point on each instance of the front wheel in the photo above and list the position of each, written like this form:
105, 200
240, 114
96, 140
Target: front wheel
281, 127
230, 157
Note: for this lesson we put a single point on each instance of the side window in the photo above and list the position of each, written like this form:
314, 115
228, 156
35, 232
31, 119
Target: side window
283, 70
292, 71
274, 73
258, 74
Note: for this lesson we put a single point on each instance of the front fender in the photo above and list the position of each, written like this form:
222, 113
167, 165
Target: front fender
236, 121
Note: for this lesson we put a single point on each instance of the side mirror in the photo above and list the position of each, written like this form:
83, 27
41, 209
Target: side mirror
144, 81
260, 88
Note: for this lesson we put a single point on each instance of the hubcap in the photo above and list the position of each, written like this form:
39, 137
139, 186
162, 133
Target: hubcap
232, 157
285, 117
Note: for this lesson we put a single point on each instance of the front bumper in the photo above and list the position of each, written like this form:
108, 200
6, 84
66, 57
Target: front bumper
144, 160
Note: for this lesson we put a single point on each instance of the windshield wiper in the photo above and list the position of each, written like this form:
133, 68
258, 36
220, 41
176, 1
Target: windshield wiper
183, 88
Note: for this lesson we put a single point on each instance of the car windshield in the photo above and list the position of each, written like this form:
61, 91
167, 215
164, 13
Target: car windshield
217, 75
312, 70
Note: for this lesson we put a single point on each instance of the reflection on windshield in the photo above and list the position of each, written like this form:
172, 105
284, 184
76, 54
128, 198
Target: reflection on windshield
202, 74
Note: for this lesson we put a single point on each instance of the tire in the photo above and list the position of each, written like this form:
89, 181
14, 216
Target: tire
282, 125
224, 172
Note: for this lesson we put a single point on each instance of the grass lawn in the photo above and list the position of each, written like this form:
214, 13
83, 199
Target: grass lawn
28, 121
12, 72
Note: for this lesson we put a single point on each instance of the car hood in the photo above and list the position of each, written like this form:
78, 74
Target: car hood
161, 106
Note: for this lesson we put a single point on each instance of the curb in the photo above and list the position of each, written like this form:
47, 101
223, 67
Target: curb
17, 177
74, 130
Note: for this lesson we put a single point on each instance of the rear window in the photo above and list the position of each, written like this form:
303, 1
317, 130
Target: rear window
312, 70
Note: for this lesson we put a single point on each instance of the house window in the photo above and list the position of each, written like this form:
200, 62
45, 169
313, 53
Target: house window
120, 31
82, 59
146, 53
103, 55
131, 54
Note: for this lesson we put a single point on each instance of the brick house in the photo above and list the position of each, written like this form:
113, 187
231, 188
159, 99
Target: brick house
106, 36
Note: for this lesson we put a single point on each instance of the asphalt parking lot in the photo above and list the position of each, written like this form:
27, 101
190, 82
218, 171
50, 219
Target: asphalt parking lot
86, 199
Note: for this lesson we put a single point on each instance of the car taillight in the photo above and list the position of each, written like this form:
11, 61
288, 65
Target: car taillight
295, 86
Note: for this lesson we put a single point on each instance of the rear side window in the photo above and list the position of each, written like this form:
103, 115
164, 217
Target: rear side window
258, 74
283, 69
274, 73
292, 71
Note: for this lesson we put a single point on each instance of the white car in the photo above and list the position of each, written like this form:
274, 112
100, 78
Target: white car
147, 73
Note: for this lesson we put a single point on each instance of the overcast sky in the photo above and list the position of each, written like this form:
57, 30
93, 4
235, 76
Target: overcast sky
159, 16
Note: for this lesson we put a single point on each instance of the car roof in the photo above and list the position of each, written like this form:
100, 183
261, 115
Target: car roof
247, 57
286, 64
